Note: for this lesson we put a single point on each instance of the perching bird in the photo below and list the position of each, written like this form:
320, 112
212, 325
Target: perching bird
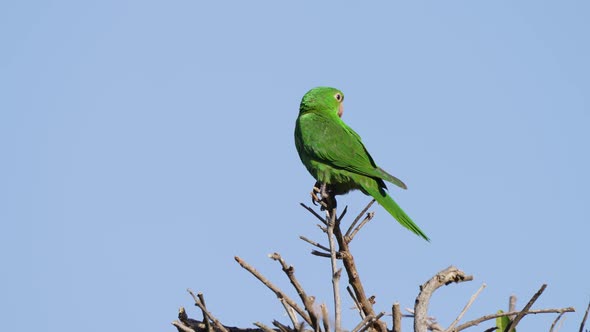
335, 155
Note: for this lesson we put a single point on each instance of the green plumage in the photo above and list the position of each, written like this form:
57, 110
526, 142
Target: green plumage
334, 154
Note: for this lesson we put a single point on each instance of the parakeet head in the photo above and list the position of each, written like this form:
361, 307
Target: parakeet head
322, 99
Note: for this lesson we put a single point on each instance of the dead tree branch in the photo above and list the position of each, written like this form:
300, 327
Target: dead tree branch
263, 327
584, 319
512, 304
314, 213
555, 321
184, 324
510, 313
278, 292
354, 279
358, 228
444, 277
306, 300
325, 317
396, 314
207, 322
351, 227
336, 272
357, 305
520, 315
206, 313
467, 306
314, 243
339, 248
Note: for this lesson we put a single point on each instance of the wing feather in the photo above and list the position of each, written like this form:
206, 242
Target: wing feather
341, 147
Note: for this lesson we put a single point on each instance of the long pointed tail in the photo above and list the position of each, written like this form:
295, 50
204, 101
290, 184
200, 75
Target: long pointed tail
396, 211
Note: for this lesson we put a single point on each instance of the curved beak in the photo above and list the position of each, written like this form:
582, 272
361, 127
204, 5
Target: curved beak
340, 110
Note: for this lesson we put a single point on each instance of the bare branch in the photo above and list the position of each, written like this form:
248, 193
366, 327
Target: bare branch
555, 321
263, 327
290, 312
357, 305
275, 289
358, 228
396, 313
307, 300
520, 315
332, 223
360, 215
444, 277
325, 317
320, 254
314, 243
584, 319
512, 304
363, 323
282, 327
206, 313
354, 279
467, 306
510, 313
182, 327
368, 322
207, 322
314, 213
343, 214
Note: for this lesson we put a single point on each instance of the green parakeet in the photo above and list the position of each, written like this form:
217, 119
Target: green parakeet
335, 155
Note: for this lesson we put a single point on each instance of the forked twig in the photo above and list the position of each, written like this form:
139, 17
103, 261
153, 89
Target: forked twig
275, 289
290, 312
363, 323
367, 322
368, 218
215, 321
347, 234
207, 322
307, 300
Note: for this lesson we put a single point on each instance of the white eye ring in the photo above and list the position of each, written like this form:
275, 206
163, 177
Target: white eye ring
338, 96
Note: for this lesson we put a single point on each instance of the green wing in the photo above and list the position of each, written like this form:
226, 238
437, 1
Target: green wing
341, 147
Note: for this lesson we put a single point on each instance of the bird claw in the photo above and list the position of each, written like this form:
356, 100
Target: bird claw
320, 194
314, 195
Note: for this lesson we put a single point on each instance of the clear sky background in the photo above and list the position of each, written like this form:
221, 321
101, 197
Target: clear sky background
145, 143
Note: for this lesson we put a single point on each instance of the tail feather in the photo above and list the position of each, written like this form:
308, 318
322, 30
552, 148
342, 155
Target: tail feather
396, 211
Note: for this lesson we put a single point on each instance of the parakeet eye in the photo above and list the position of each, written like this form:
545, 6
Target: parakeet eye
338, 96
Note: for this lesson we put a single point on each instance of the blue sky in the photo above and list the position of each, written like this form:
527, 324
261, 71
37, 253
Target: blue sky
145, 143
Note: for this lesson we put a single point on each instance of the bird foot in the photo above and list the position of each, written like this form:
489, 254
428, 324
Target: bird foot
321, 195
